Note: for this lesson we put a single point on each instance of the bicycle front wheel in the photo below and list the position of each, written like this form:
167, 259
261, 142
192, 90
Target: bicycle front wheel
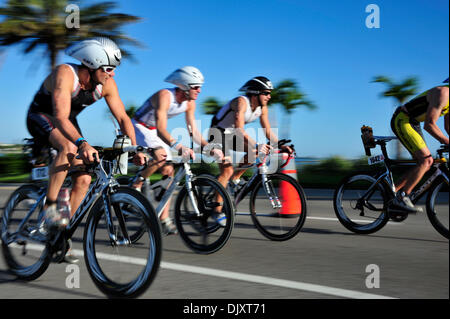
360, 204
278, 208
24, 246
119, 267
201, 232
437, 206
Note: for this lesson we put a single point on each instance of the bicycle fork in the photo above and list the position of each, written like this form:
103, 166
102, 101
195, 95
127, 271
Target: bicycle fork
115, 241
190, 189
268, 188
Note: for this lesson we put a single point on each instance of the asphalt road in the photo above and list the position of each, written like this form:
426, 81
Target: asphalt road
405, 260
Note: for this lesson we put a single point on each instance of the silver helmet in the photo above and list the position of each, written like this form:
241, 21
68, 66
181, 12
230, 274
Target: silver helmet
96, 52
186, 77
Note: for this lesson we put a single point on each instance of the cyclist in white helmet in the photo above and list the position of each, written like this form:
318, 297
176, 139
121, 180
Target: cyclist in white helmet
150, 123
51, 118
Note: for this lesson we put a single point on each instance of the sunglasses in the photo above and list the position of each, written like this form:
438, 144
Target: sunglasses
108, 69
265, 93
195, 88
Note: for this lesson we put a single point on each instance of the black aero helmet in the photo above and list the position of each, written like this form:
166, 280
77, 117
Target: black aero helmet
257, 85
445, 81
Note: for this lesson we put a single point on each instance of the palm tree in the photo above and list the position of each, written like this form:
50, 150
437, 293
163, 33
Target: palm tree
211, 106
130, 109
400, 92
288, 95
42, 24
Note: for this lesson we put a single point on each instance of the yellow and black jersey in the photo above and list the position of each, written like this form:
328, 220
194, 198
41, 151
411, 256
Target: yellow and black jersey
417, 108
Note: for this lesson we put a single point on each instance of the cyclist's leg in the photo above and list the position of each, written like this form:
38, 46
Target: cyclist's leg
159, 160
166, 170
161, 151
41, 125
247, 160
80, 186
410, 135
413, 177
226, 165
226, 172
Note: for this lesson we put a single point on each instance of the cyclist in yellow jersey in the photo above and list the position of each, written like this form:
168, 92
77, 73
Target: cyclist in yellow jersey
427, 108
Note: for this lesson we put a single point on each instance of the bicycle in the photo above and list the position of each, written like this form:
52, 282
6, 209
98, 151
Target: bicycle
362, 201
277, 201
112, 212
194, 208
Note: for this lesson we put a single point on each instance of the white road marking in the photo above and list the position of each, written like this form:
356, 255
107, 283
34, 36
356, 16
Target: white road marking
263, 280
324, 218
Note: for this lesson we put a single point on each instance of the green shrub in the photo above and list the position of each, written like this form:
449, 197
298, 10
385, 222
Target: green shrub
13, 164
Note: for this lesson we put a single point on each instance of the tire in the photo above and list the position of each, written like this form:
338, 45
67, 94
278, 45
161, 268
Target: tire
282, 223
26, 254
140, 261
201, 233
437, 206
355, 214
139, 232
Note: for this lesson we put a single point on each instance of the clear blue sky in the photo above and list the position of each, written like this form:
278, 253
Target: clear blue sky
324, 45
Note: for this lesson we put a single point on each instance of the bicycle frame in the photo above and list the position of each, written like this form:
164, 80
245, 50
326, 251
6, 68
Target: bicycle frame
261, 169
388, 176
103, 182
185, 170
103, 186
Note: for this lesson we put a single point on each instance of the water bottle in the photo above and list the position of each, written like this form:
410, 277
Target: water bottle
160, 187
63, 205
120, 142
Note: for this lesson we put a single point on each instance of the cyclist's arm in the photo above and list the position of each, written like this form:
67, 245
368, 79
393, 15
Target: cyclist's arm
62, 95
240, 106
115, 104
190, 120
437, 98
161, 100
265, 123
446, 120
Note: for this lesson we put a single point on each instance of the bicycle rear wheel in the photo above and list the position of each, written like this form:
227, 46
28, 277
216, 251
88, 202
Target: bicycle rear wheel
120, 269
24, 247
360, 204
202, 233
282, 222
438, 207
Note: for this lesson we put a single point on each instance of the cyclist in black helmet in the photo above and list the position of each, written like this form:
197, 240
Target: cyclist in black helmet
227, 128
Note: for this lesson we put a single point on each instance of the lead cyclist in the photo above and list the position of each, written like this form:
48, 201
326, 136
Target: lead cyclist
427, 107
51, 118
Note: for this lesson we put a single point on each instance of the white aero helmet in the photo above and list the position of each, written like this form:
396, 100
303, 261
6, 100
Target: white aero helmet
186, 77
96, 52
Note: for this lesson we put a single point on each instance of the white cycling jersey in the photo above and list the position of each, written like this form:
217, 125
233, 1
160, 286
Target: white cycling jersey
225, 118
146, 113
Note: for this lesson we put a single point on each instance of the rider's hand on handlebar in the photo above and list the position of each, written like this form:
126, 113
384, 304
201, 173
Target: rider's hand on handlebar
217, 154
185, 152
264, 149
87, 153
286, 149
139, 159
